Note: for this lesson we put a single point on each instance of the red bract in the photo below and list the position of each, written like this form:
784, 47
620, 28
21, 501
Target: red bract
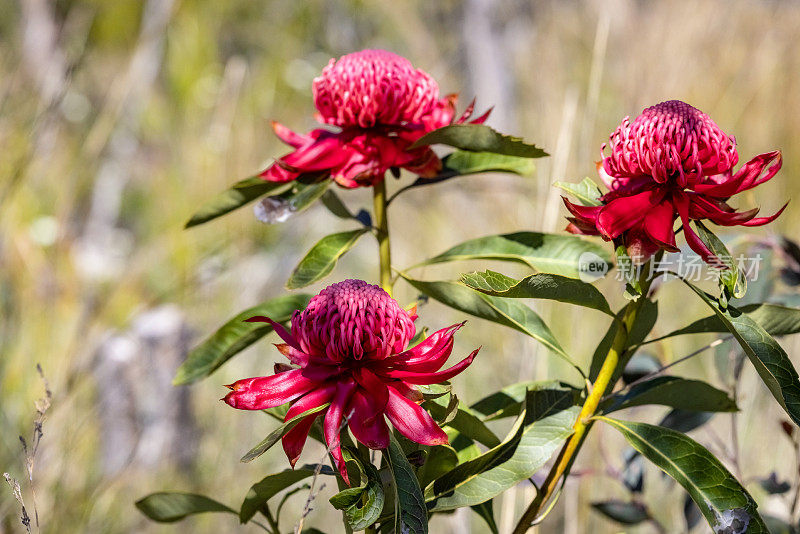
381, 105
672, 162
350, 349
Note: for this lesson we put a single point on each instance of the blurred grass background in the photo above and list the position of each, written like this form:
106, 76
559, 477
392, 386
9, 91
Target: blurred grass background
117, 118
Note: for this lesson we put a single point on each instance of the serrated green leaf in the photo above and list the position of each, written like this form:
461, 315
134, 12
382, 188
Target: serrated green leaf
361, 504
538, 286
775, 319
262, 491
411, 515
767, 356
479, 138
507, 312
544, 423
169, 506
321, 259
239, 194
235, 336
463, 162
674, 392
720, 497
276, 435
547, 253
587, 192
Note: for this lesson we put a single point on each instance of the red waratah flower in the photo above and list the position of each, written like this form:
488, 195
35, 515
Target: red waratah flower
672, 161
381, 105
350, 349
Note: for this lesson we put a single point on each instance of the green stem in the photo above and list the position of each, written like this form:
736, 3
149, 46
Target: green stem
382, 234
270, 519
567, 455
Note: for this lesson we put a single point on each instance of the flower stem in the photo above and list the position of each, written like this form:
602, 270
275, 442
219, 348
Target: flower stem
382, 234
583, 422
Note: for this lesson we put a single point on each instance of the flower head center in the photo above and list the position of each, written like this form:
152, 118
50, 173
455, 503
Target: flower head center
670, 142
352, 321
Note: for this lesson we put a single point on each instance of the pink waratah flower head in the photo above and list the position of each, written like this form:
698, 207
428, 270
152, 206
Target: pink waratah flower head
672, 162
349, 349
382, 105
374, 87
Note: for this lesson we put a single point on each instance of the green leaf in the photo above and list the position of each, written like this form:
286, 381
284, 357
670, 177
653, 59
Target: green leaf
465, 421
720, 497
335, 205
732, 281
304, 194
767, 356
463, 162
361, 504
543, 425
486, 511
507, 312
235, 336
627, 513
586, 191
538, 286
674, 392
275, 436
321, 259
261, 492
509, 401
411, 515
685, 420
639, 366
479, 138
547, 253
238, 195
168, 506
645, 321
439, 460
775, 319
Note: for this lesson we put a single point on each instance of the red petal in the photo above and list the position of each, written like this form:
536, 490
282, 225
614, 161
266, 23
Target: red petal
294, 440
587, 214
433, 378
268, 391
321, 155
749, 176
289, 137
759, 221
279, 329
276, 173
332, 426
297, 357
640, 246
658, 225
578, 227
625, 212
367, 422
428, 356
695, 243
412, 421
375, 389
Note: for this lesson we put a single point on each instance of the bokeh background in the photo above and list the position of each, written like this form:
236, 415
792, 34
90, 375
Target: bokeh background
118, 117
